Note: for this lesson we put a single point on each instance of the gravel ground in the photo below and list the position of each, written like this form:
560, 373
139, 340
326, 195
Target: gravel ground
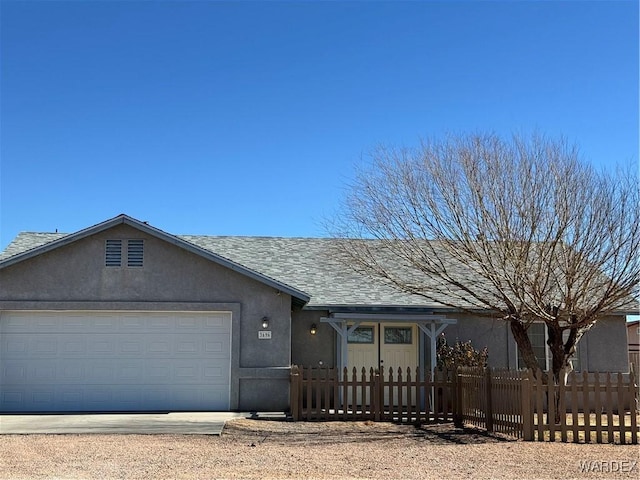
271, 449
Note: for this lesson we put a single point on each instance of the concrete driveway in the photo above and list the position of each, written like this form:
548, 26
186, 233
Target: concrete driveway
191, 423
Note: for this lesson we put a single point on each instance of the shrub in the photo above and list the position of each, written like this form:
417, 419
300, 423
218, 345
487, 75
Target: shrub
461, 354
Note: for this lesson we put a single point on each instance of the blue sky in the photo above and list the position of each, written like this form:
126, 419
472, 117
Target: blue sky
243, 118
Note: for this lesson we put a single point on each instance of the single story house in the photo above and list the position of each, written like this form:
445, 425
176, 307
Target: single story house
122, 316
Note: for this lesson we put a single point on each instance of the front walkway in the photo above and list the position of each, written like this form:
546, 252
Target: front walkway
189, 423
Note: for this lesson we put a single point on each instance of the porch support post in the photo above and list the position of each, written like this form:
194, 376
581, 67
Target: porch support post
344, 331
432, 332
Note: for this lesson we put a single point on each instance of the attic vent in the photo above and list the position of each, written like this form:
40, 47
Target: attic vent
135, 253
113, 253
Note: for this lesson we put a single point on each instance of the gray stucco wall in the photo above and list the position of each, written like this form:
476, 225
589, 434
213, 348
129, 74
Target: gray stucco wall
603, 348
483, 332
74, 277
312, 350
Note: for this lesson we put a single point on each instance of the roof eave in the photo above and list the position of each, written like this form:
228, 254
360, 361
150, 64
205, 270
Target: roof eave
380, 307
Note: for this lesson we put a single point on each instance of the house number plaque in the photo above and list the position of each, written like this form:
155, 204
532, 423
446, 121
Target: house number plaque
264, 334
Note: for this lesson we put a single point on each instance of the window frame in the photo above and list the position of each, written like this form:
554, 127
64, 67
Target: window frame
406, 329
574, 359
350, 339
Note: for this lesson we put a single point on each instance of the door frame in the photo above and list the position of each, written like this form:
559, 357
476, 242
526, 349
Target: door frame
378, 350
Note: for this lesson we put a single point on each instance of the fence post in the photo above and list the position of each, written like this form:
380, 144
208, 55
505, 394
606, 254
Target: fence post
488, 406
525, 409
295, 392
633, 408
457, 398
377, 395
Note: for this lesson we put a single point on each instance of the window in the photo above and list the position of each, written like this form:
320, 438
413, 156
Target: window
538, 336
135, 253
398, 335
113, 253
361, 335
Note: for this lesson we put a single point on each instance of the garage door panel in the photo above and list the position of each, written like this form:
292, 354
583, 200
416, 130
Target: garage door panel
100, 373
42, 372
42, 346
98, 396
17, 348
13, 372
73, 347
103, 323
13, 398
103, 345
159, 372
42, 398
114, 361
216, 375
159, 347
218, 321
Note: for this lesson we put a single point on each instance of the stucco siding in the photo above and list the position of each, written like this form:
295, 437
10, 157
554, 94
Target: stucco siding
602, 347
482, 332
74, 277
312, 350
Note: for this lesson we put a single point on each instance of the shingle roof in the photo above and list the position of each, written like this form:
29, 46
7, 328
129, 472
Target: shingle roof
309, 265
306, 264
26, 241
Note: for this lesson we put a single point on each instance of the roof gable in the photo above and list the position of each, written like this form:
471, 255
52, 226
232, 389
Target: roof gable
29, 245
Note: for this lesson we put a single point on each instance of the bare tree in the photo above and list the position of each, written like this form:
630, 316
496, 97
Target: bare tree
517, 228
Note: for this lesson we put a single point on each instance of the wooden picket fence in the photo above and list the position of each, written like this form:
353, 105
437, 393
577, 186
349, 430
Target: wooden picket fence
593, 407
491, 399
600, 407
634, 362
324, 394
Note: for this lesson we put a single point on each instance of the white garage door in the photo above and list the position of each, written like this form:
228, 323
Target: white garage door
114, 361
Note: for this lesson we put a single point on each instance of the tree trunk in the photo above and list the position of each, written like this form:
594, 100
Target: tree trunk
524, 347
556, 347
558, 360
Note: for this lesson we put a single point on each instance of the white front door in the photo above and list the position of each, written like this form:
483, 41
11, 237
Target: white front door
363, 349
398, 347
383, 346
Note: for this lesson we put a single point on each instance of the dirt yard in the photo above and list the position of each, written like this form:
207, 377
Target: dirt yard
271, 449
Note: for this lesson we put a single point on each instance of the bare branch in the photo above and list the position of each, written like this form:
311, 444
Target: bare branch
520, 227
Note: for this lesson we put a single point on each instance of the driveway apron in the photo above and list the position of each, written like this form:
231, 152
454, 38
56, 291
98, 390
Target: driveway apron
188, 423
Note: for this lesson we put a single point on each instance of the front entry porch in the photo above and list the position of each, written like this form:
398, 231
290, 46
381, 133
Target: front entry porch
387, 341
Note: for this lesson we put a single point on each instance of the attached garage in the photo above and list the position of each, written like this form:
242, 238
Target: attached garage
64, 361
